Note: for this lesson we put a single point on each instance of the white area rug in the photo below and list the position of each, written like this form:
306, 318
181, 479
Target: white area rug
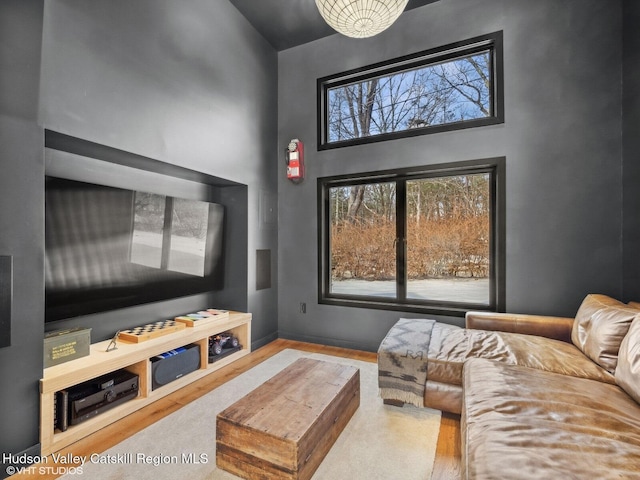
380, 441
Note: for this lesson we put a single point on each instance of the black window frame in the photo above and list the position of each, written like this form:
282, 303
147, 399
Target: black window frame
495, 167
492, 41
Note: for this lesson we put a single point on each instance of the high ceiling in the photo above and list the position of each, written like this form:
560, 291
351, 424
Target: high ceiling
288, 23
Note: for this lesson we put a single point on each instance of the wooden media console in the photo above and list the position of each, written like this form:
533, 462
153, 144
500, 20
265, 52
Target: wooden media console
136, 358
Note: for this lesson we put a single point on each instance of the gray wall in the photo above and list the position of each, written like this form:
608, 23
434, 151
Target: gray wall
631, 149
561, 140
188, 83
21, 220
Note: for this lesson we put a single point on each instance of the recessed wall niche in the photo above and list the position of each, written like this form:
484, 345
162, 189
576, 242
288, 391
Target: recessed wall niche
76, 159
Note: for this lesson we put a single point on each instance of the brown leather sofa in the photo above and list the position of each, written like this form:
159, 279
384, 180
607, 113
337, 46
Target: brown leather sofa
540, 397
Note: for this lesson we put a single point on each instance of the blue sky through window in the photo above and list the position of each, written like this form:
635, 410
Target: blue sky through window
441, 93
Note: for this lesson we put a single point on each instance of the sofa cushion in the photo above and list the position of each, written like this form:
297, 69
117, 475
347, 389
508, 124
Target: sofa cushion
600, 325
528, 424
451, 346
628, 370
443, 396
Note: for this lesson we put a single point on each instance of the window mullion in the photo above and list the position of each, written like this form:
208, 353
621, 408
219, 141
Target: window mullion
401, 240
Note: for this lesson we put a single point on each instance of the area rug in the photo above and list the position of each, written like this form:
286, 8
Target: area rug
380, 441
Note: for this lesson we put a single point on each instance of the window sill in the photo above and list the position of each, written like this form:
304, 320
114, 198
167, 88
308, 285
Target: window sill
449, 309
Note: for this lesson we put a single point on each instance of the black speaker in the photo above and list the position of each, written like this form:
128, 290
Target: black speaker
6, 294
263, 269
169, 366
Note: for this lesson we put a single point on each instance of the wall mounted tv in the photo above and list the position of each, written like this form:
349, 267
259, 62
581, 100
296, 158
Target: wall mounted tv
108, 248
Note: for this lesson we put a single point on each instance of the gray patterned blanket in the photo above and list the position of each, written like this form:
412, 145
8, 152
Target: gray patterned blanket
402, 361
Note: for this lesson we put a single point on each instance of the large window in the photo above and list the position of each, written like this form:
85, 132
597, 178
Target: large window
453, 87
427, 239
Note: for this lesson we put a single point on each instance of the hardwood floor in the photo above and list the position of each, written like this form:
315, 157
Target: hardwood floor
447, 462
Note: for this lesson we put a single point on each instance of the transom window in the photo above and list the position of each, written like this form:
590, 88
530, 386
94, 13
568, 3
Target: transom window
453, 87
428, 239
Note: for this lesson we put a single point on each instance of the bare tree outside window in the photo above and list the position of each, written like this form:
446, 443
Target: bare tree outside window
448, 238
363, 239
448, 234
453, 91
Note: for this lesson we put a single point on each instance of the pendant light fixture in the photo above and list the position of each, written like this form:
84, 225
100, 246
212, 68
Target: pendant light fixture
360, 18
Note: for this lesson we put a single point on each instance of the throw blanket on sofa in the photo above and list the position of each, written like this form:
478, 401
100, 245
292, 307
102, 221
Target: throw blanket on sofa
402, 361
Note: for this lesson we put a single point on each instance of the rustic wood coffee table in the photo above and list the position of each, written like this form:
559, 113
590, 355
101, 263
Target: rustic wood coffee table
286, 426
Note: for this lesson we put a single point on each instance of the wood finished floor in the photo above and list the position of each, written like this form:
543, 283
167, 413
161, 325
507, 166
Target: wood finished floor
447, 462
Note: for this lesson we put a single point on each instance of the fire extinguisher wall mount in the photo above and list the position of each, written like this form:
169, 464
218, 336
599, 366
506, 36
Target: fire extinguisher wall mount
294, 155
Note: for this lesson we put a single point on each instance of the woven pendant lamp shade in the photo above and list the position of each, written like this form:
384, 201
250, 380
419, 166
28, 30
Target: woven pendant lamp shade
360, 18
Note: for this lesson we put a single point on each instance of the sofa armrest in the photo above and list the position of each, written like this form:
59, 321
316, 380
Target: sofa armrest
558, 328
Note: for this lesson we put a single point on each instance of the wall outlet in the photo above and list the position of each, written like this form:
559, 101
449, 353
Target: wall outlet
303, 307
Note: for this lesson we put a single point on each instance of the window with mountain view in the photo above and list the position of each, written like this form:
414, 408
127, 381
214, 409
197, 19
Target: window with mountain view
456, 86
427, 239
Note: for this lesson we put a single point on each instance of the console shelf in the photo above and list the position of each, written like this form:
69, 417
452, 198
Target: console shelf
134, 357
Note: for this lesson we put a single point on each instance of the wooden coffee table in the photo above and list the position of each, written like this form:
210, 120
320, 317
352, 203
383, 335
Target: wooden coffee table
286, 426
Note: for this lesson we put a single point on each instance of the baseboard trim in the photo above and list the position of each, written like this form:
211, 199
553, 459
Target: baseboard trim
263, 341
21, 460
328, 341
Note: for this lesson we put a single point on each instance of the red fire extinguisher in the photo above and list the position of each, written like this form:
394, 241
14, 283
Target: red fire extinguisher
294, 154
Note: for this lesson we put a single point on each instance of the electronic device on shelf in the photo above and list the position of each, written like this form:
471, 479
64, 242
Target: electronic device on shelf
171, 365
81, 402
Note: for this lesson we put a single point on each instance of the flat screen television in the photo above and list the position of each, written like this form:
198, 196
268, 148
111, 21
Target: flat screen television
108, 248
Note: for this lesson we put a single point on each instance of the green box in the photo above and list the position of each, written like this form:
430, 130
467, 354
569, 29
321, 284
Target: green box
63, 345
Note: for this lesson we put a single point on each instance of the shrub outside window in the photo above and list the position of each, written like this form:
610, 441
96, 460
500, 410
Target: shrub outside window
428, 239
453, 87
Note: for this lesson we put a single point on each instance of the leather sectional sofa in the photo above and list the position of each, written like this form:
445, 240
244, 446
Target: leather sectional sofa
539, 397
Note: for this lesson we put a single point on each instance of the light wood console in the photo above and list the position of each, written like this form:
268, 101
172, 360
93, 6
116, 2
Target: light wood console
134, 357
